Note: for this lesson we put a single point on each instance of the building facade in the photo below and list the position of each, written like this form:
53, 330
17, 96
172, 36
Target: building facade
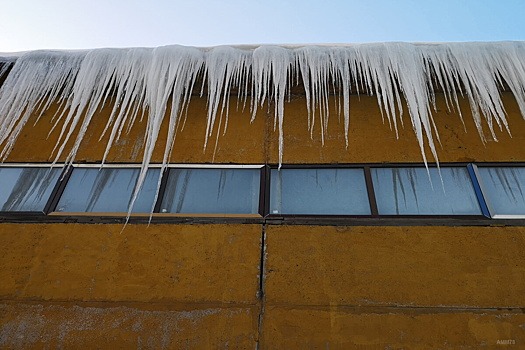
276, 269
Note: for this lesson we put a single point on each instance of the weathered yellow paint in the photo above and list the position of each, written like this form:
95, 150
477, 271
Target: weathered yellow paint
176, 263
321, 328
157, 286
373, 141
478, 267
70, 326
242, 143
370, 139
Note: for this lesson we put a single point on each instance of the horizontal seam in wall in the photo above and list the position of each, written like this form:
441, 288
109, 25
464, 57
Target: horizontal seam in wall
397, 308
144, 305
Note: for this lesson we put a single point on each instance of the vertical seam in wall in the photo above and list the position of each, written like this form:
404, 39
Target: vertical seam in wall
267, 129
260, 291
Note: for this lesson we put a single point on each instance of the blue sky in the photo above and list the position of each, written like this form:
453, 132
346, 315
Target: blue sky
81, 24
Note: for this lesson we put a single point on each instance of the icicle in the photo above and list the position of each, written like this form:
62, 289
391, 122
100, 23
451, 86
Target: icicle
37, 77
224, 66
145, 80
315, 65
271, 65
176, 68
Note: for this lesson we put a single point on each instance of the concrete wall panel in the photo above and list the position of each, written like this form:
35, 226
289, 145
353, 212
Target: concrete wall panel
378, 266
177, 263
391, 329
34, 326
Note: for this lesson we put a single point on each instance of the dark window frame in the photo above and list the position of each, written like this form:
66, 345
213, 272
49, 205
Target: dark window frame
313, 216
46, 209
490, 211
371, 191
68, 171
472, 178
262, 189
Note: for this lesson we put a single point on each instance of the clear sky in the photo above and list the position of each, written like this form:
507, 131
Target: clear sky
82, 24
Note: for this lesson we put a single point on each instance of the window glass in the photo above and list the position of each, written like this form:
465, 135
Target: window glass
410, 191
107, 190
26, 189
212, 191
319, 192
503, 188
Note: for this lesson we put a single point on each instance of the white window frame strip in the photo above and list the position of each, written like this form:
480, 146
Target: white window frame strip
114, 166
217, 166
156, 165
32, 165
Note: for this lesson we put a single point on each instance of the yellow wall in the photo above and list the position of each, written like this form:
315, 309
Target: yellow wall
370, 139
198, 286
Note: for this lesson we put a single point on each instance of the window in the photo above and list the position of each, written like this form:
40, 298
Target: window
27, 188
329, 191
212, 191
410, 191
503, 189
107, 190
496, 192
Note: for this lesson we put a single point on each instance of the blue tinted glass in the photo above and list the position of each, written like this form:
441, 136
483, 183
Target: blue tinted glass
212, 191
319, 192
26, 189
503, 188
107, 190
410, 191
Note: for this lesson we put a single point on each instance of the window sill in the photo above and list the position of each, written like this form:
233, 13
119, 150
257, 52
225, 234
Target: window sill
140, 219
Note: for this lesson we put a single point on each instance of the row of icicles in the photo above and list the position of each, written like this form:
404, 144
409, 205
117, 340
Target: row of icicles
150, 79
